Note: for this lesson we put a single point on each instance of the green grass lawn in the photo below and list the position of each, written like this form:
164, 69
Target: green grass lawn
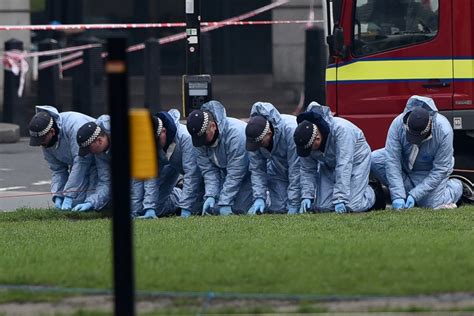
379, 253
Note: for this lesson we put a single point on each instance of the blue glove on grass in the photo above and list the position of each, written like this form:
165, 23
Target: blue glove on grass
83, 207
67, 204
305, 206
340, 208
398, 204
149, 214
58, 201
292, 210
410, 202
185, 213
225, 210
258, 206
209, 204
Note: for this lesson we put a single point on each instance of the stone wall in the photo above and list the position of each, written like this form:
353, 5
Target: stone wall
289, 41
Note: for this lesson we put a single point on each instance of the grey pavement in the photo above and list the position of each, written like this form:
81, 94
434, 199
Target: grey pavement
24, 176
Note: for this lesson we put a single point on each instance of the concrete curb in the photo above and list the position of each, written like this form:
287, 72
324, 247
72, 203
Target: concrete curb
9, 133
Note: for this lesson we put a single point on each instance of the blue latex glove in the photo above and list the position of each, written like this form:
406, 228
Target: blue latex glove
58, 201
225, 210
340, 208
398, 204
185, 213
67, 203
293, 210
83, 207
258, 206
410, 202
149, 214
305, 206
209, 204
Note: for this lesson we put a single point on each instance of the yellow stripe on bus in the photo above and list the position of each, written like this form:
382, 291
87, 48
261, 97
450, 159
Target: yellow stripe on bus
396, 70
402, 70
463, 68
331, 74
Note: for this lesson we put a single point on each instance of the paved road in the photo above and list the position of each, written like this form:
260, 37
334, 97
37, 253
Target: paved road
24, 175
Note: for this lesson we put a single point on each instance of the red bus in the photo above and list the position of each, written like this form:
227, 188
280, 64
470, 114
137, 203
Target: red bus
384, 51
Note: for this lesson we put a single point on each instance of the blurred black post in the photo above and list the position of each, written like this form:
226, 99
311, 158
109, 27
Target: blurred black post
152, 75
48, 78
315, 66
206, 53
11, 100
124, 284
88, 86
193, 33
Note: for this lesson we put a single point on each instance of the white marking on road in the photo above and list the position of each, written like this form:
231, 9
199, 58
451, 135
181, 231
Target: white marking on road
42, 182
5, 169
11, 188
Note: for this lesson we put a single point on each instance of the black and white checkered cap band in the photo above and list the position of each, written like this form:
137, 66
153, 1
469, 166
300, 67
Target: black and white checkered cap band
159, 127
44, 131
205, 124
423, 132
91, 139
262, 135
313, 137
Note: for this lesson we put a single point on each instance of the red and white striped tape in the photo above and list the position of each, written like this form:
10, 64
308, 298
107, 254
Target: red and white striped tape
61, 50
47, 27
132, 25
16, 60
216, 25
182, 35
49, 63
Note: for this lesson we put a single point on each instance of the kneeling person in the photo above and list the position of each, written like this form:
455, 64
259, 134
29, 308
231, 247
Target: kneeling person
418, 158
274, 164
222, 159
335, 163
160, 196
72, 176
94, 138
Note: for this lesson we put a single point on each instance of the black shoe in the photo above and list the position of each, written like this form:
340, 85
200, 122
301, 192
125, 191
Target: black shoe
380, 201
467, 196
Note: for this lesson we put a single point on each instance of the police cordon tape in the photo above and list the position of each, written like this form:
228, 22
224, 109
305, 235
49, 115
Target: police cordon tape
64, 27
15, 56
15, 61
169, 39
135, 25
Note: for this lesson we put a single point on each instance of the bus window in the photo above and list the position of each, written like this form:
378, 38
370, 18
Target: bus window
381, 25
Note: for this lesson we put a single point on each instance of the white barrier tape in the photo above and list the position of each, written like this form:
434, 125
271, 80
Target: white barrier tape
172, 38
62, 50
72, 64
62, 27
15, 62
79, 62
240, 23
182, 35
49, 63
137, 25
